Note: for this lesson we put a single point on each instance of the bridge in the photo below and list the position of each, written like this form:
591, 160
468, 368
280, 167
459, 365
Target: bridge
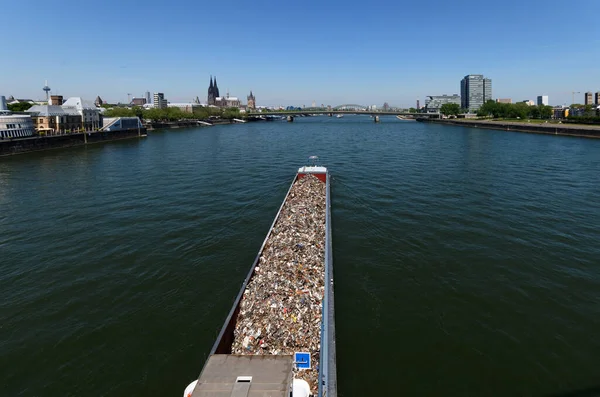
332, 112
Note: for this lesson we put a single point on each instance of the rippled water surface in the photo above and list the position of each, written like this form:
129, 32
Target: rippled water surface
467, 262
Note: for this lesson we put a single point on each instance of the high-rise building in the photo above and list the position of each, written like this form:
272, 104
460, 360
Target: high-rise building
159, 100
588, 98
418, 104
475, 90
147, 96
597, 101
542, 100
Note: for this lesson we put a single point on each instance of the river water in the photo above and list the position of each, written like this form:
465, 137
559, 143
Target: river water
467, 262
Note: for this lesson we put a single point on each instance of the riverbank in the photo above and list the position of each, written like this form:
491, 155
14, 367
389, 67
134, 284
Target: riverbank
11, 147
185, 124
585, 131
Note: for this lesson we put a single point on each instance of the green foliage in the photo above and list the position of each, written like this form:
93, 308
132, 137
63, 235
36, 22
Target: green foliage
231, 113
584, 119
173, 114
512, 111
19, 107
412, 110
450, 109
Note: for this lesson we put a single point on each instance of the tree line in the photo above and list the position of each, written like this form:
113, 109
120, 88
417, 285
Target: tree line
173, 113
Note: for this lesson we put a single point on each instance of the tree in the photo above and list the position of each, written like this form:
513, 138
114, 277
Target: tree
412, 110
19, 106
450, 109
546, 111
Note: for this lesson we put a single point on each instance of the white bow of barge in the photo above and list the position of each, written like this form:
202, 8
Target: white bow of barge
279, 337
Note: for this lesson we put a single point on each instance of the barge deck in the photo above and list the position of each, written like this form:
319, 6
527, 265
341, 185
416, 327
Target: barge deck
279, 337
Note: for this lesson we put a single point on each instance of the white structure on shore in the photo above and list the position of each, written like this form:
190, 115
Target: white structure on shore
14, 125
90, 114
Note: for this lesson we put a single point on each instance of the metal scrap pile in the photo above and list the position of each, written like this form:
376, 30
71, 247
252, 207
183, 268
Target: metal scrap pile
281, 308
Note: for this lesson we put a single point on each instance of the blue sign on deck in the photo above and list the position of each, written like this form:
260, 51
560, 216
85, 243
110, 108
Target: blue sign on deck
302, 360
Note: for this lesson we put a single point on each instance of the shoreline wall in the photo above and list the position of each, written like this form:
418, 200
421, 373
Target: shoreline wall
585, 131
9, 147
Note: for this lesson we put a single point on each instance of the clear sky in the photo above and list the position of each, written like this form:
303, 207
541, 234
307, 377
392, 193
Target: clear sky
297, 52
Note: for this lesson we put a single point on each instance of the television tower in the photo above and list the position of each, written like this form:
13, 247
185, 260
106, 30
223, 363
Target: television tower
46, 89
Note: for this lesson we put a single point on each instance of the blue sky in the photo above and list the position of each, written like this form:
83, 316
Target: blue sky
297, 52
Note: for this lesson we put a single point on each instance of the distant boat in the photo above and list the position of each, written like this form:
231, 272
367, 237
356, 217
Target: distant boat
339, 116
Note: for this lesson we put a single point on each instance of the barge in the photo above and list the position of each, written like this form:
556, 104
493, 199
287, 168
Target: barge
279, 337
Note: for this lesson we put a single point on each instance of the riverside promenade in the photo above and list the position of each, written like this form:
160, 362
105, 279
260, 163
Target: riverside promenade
579, 130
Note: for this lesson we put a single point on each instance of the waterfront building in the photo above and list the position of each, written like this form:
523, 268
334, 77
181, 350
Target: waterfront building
213, 92
185, 106
251, 101
597, 98
542, 100
147, 96
475, 90
14, 125
588, 98
433, 103
418, 104
90, 114
503, 100
53, 119
159, 100
98, 102
75, 114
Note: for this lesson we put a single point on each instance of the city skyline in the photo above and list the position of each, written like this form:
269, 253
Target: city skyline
333, 54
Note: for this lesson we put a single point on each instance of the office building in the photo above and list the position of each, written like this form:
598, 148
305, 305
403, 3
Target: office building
475, 90
588, 98
542, 100
148, 97
433, 103
138, 101
159, 100
597, 99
